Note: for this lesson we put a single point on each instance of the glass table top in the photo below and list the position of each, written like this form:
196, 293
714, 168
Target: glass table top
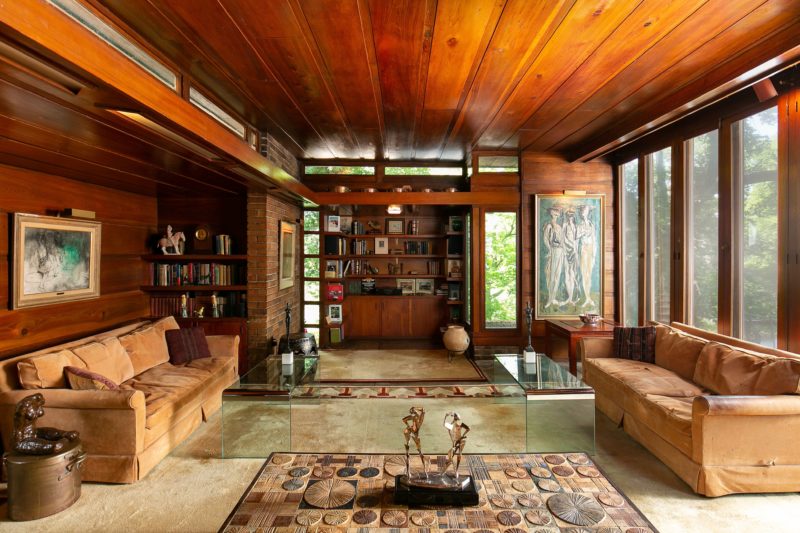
543, 376
271, 376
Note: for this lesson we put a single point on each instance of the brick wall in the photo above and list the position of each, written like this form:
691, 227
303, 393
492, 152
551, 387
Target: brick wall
277, 154
265, 303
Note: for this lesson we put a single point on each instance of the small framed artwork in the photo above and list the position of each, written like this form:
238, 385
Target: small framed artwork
56, 260
287, 254
346, 224
407, 286
335, 313
333, 223
424, 286
381, 245
455, 224
395, 226
454, 268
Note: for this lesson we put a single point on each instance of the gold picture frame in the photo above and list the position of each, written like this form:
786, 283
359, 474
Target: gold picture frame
56, 260
287, 254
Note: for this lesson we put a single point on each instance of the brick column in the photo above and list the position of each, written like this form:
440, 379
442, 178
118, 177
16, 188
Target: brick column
265, 302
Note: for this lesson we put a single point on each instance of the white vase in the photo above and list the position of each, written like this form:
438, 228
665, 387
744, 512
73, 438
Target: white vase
456, 339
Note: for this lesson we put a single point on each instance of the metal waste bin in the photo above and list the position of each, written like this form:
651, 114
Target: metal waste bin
42, 485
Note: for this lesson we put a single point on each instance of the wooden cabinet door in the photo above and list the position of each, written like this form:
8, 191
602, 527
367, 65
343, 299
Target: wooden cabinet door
427, 316
396, 317
361, 317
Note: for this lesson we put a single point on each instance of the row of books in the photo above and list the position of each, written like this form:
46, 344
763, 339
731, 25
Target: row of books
413, 227
334, 245
228, 305
434, 267
176, 274
359, 247
223, 244
417, 248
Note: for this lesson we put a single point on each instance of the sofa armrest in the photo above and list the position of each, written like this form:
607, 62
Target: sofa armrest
590, 348
746, 430
223, 345
109, 422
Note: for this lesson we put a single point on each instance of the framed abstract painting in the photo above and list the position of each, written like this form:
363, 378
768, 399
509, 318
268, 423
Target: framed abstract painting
568, 254
56, 260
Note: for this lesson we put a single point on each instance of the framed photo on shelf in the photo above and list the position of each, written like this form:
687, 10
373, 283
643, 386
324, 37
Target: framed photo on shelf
424, 286
56, 260
407, 286
455, 224
395, 226
454, 291
335, 313
333, 223
568, 285
287, 254
455, 268
381, 245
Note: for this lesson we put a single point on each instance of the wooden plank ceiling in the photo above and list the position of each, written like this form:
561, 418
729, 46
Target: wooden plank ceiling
428, 79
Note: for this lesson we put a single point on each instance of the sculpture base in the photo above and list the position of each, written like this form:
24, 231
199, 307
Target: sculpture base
437, 489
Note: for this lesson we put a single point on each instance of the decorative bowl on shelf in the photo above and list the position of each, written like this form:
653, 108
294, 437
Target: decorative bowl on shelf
341, 189
590, 319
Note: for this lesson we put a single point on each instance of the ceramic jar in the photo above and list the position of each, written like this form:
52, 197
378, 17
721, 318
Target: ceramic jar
456, 339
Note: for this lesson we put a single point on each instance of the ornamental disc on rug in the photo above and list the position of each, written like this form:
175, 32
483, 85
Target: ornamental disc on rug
329, 493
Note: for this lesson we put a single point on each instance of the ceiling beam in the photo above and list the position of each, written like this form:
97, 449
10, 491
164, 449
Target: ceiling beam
77, 46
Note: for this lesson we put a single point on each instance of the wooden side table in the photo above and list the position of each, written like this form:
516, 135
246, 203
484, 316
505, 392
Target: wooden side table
573, 331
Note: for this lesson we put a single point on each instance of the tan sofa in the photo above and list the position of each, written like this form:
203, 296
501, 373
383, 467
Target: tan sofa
723, 414
126, 432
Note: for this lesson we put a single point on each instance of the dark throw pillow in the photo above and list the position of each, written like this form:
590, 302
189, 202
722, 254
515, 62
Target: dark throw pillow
82, 379
637, 344
186, 344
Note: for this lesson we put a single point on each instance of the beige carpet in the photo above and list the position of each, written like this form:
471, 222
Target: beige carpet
389, 365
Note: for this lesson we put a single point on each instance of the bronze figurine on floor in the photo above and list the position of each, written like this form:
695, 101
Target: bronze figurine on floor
29, 439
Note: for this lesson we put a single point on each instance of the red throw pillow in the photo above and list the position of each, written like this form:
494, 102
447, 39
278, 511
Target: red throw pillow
82, 379
186, 344
638, 344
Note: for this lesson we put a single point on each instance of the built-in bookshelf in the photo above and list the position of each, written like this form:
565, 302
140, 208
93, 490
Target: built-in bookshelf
203, 281
393, 275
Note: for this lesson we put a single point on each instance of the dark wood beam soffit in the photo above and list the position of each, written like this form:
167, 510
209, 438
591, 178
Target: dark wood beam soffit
82, 52
427, 80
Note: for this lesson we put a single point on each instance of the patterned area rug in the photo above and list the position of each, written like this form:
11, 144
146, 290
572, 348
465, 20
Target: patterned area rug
477, 391
518, 492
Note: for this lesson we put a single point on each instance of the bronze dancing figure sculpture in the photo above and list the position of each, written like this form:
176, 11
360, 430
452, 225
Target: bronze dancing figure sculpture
458, 436
413, 422
30, 440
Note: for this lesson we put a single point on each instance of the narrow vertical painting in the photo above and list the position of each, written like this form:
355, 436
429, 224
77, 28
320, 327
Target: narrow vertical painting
287, 254
55, 260
568, 255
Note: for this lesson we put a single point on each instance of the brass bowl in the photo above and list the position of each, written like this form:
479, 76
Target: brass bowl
369, 189
341, 188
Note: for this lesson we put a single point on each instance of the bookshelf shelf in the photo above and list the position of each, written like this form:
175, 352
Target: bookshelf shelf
192, 288
195, 258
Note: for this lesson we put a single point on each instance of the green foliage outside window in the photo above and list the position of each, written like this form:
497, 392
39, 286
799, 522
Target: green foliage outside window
501, 270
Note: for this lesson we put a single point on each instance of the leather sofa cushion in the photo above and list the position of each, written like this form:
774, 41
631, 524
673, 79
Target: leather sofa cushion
167, 389
677, 351
668, 416
726, 370
646, 378
46, 371
146, 348
215, 366
107, 357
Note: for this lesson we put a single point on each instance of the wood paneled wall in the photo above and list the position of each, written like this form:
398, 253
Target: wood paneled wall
548, 173
128, 220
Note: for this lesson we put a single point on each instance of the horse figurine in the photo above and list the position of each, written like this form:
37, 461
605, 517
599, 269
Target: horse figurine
174, 241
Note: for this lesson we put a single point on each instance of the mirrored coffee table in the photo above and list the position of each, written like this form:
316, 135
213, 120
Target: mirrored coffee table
560, 407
